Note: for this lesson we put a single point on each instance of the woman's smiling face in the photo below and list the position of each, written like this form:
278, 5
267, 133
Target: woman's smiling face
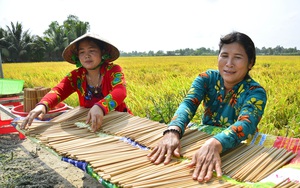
89, 54
233, 64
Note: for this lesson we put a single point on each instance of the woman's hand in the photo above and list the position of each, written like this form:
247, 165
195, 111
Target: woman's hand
95, 116
38, 112
207, 159
168, 146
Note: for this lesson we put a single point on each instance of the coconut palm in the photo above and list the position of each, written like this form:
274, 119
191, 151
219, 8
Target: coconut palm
55, 38
39, 48
74, 28
16, 43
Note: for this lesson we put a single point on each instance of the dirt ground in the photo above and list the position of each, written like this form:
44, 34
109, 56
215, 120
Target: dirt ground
23, 163
26, 164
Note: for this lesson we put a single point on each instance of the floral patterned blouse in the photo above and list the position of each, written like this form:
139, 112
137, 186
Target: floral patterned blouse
238, 112
112, 92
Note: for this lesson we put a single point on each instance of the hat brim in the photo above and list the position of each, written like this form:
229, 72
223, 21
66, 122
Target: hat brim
109, 49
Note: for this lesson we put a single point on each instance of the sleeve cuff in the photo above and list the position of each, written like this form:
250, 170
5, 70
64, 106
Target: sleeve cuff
103, 109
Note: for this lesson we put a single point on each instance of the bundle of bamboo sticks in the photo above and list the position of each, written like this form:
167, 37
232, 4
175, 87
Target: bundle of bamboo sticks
41, 92
127, 166
32, 96
116, 161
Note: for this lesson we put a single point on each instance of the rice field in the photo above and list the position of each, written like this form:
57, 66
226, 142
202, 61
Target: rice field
156, 85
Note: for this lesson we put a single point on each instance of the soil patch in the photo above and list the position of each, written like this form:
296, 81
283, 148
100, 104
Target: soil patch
24, 163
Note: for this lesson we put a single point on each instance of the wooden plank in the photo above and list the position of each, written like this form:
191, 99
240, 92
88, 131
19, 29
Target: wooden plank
11, 101
7, 111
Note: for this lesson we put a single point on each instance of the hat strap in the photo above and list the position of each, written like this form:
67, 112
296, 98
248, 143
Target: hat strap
76, 60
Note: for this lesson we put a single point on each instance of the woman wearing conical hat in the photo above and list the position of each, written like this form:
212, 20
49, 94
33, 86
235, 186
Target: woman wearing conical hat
99, 83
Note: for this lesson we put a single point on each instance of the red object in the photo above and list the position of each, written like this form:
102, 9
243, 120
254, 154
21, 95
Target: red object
10, 101
18, 110
7, 128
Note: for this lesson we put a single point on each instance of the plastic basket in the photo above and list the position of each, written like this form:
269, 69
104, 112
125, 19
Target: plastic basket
18, 110
9, 86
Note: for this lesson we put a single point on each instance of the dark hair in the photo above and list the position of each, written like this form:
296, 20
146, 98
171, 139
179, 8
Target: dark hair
243, 40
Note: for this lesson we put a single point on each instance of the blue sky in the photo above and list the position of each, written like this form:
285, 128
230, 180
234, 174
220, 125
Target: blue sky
143, 25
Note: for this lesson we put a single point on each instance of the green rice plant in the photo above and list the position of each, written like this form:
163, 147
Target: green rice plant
163, 107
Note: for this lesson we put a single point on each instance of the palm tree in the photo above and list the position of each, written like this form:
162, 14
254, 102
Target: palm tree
75, 28
58, 37
4, 53
38, 47
55, 39
17, 43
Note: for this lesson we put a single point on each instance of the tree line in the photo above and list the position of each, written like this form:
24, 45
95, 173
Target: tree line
18, 45
278, 50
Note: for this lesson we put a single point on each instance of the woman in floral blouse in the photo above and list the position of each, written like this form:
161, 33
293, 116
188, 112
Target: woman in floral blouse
99, 83
231, 99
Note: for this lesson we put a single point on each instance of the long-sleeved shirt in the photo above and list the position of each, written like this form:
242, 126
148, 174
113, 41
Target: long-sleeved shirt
113, 89
239, 111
